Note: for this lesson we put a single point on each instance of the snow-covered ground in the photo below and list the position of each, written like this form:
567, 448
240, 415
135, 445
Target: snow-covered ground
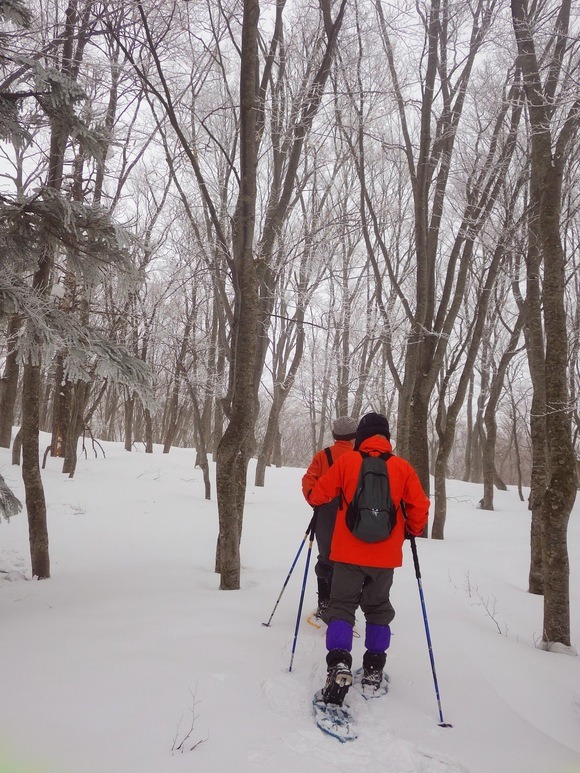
129, 655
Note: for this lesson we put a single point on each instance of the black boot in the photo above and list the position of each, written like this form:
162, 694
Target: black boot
338, 677
323, 596
373, 664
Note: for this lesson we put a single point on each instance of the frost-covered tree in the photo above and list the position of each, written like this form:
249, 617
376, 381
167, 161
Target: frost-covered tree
9, 504
44, 224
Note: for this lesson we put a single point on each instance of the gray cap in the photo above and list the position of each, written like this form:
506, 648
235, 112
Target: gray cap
344, 428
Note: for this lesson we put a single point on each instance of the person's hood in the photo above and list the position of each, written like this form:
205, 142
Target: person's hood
377, 444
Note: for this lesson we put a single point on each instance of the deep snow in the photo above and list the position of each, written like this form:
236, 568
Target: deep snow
131, 646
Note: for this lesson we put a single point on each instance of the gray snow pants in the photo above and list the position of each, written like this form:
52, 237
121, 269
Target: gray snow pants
365, 586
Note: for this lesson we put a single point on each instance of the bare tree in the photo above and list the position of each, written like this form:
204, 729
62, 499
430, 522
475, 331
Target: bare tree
447, 416
547, 68
490, 474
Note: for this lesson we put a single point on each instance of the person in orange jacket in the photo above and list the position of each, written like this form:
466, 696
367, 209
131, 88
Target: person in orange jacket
343, 433
363, 571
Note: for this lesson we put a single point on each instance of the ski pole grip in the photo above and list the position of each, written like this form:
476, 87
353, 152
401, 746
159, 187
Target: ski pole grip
413, 542
311, 530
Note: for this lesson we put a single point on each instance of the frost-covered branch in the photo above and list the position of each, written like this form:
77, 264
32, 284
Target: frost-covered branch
9, 504
489, 605
182, 745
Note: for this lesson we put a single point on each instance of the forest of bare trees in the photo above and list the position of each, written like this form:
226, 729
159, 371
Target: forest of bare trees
225, 222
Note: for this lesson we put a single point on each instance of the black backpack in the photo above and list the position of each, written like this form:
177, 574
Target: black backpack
371, 514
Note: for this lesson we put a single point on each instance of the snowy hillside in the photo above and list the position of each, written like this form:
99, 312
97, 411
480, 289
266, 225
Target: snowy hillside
130, 646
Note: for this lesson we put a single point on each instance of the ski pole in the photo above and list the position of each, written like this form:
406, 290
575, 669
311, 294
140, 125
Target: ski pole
307, 532
425, 621
311, 530
431, 657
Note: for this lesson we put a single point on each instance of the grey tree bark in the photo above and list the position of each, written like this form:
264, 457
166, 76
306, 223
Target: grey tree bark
489, 416
31, 380
234, 448
549, 149
9, 382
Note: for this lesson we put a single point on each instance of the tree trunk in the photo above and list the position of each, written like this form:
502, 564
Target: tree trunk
201, 461
479, 440
277, 451
233, 449
61, 408
111, 407
9, 382
534, 336
517, 454
418, 439
129, 409
538, 486
148, 431
488, 463
561, 491
440, 486
201, 441
35, 501
291, 340
469, 430
17, 447
31, 384
547, 162
172, 413
218, 415
490, 476
76, 425
267, 445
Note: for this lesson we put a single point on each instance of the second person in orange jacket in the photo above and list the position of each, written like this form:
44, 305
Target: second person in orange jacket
343, 433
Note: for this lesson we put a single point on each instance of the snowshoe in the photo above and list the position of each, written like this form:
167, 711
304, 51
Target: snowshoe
373, 685
333, 720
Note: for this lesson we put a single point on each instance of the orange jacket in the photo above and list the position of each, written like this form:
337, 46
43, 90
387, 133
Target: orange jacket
319, 464
342, 478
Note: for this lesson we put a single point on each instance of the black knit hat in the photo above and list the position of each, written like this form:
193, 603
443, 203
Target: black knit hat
372, 424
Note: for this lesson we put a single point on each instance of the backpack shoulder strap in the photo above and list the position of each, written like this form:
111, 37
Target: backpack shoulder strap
363, 455
328, 456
